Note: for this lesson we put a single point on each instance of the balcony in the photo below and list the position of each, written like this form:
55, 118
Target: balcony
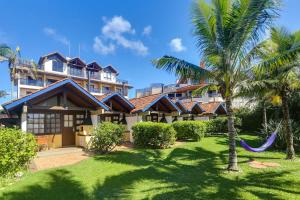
32, 82
95, 76
27, 63
120, 81
75, 72
95, 90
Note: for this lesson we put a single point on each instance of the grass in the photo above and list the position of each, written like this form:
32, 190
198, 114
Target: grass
193, 170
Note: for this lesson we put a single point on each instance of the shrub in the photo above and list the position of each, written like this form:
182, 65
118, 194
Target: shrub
194, 130
155, 135
220, 125
16, 150
106, 136
280, 142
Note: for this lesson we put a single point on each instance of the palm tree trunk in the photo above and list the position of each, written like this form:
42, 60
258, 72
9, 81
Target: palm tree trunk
232, 159
12, 88
290, 152
265, 122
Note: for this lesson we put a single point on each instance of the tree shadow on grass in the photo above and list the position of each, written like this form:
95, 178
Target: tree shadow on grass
61, 185
179, 178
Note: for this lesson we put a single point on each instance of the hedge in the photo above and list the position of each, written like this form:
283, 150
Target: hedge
154, 135
16, 150
106, 136
220, 125
193, 130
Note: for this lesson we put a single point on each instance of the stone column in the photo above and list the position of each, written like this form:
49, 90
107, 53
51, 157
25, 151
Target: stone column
24, 119
169, 119
94, 118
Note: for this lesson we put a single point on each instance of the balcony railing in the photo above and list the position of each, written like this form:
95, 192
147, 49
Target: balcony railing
95, 90
31, 82
27, 63
75, 72
122, 81
95, 76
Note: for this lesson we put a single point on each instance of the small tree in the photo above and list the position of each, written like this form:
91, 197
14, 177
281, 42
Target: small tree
16, 150
227, 31
106, 136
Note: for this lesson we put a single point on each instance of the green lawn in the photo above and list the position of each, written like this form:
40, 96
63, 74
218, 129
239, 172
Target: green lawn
189, 171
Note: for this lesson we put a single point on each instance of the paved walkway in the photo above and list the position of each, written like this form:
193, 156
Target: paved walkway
58, 158
64, 156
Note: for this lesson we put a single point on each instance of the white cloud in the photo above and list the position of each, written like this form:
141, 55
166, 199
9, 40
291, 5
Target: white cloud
52, 33
147, 30
101, 48
176, 45
117, 30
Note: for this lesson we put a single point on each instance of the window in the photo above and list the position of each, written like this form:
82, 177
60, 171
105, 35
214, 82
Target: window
151, 118
52, 123
57, 66
107, 75
40, 123
115, 119
212, 93
50, 81
120, 90
68, 120
106, 89
79, 120
75, 71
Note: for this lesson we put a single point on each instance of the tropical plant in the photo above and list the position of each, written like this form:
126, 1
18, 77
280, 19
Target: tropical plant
279, 69
106, 136
13, 59
2, 93
16, 150
226, 32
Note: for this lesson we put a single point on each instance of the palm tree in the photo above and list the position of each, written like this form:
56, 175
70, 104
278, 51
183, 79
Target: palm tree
280, 67
226, 32
13, 58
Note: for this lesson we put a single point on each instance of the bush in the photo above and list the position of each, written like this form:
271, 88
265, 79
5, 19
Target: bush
16, 150
194, 130
154, 135
220, 125
280, 142
106, 136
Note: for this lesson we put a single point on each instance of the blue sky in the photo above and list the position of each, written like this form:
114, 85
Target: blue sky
126, 34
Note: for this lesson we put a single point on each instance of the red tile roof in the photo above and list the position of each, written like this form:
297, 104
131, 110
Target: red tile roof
102, 96
143, 102
190, 88
211, 107
189, 105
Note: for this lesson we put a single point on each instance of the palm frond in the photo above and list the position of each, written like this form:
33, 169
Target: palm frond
181, 68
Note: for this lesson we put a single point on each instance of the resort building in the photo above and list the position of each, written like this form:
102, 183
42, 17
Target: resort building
64, 113
53, 67
180, 91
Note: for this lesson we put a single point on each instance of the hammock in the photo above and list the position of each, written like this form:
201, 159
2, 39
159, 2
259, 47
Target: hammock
266, 145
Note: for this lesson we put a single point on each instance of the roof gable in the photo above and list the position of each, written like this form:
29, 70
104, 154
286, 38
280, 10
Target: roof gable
212, 107
19, 102
144, 104
110, 68
116, 98
77, 62
52, 56
94, 66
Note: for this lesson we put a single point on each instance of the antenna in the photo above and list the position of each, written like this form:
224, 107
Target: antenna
69, 49
79, 50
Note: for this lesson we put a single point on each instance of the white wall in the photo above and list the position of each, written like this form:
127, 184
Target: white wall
48, 67
131, 120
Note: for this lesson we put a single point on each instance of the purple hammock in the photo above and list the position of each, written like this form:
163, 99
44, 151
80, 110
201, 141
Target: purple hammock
262, 148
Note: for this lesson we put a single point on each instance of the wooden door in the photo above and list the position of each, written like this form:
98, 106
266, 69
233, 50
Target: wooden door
68, 133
